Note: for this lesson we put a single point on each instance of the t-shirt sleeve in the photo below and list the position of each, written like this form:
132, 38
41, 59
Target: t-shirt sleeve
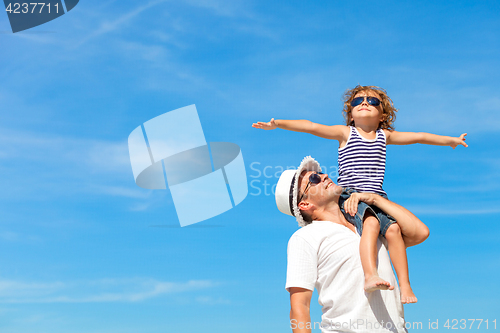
302, 266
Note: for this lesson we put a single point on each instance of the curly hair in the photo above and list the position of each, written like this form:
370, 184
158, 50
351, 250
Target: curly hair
389, 115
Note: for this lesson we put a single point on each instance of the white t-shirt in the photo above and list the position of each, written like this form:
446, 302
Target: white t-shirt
325, 255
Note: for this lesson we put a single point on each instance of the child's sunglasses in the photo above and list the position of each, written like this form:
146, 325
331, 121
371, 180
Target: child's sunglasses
374, 101
315, 179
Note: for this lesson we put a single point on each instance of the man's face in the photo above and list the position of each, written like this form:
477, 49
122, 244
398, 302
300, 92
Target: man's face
318, 194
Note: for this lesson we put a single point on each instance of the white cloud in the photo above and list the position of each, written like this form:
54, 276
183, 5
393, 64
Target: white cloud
95, 291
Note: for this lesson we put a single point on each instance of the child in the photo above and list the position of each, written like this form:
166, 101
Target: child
369, 115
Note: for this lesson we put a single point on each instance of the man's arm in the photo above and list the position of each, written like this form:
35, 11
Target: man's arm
413, 230
335, 132
300, 318
408, 138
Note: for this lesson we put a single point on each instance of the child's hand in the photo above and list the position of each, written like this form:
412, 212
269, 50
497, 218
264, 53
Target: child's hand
459, 141
265, 126
351, 204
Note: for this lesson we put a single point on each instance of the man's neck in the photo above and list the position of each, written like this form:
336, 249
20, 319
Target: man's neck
332, 213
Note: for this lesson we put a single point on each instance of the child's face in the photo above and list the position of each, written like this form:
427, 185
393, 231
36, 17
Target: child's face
365, 113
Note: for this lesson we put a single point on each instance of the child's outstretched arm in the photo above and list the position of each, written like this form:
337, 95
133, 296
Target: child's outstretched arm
408, 138
335, 132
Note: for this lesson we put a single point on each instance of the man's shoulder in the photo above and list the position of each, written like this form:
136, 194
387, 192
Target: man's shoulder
319, 230
317, 226
314, 227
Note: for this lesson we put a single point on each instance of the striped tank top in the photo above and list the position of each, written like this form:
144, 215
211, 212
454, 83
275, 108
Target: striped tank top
362, 162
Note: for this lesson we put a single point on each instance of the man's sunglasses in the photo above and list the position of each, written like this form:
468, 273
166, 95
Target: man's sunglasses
374, 101
315, 179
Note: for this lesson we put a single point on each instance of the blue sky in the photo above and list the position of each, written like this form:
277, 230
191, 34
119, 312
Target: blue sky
83, 249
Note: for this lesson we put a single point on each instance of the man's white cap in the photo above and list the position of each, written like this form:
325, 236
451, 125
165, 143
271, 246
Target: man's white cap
288, 187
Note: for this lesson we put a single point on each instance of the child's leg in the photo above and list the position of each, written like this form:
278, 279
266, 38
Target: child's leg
397, 251
368, 254
413, 230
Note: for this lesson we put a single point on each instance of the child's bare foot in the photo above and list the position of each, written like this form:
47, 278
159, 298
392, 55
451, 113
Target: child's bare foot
376, 283
407, 295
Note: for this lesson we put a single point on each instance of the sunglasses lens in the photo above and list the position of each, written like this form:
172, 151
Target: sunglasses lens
315, 178
373, 101
356, 101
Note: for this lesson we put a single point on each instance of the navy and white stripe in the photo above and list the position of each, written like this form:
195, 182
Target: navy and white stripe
362, 162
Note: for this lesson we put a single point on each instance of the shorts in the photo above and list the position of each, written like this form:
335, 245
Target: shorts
357, 220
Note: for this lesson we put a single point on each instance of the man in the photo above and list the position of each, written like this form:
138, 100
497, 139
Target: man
325, 255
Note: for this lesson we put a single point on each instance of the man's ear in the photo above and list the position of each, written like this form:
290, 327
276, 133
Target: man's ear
305, 205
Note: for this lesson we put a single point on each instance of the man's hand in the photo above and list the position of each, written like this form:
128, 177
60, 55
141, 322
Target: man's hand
351, 204
265, 126
459, 141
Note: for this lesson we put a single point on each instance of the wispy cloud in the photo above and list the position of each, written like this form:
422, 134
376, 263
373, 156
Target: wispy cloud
221, 7
212, 301
435, 112
107, 27
34, 162
121, 191
100, 155
9, 236
95, 291
40, 37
